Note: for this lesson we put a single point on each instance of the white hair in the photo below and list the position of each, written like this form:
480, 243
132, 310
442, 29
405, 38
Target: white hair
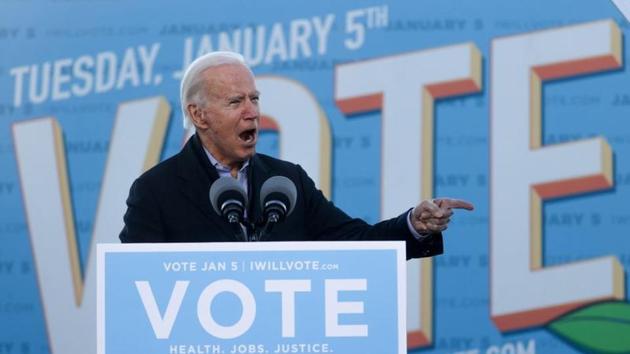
192, 82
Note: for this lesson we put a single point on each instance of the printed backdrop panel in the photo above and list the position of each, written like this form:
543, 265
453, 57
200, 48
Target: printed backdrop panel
518, 106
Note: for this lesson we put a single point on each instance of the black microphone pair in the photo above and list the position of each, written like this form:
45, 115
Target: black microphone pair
277, 200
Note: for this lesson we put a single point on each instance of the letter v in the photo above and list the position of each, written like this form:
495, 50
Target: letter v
136, 142
162, 325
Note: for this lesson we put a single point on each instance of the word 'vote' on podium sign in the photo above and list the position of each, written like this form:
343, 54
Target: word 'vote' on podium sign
227, 298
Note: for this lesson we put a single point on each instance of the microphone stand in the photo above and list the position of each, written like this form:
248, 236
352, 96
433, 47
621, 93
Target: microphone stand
233, 214
238, 227
273, 218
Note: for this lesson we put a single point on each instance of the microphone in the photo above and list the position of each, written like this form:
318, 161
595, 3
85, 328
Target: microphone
277, 200
228, 199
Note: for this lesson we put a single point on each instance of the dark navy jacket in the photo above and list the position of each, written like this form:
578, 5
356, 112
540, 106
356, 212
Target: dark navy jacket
169, 203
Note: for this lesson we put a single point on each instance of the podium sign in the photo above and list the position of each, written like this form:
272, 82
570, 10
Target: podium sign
265, 297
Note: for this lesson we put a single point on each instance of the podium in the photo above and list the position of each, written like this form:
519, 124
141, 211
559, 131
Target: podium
264, 297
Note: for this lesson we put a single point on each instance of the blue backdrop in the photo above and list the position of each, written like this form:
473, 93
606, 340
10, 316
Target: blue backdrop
38, 37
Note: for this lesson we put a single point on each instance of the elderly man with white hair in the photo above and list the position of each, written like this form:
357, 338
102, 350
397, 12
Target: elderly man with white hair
169, 202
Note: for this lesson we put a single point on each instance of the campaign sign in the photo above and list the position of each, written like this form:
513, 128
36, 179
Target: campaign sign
235, 298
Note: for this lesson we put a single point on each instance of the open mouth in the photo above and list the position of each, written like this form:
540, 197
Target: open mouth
248, 136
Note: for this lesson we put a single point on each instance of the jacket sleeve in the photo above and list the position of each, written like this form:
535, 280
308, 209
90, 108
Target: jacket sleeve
324, 221
143, 222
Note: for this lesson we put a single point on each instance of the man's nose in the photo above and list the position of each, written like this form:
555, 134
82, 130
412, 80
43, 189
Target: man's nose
251, 110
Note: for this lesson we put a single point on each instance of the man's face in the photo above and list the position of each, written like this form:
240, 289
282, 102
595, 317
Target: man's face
228, 122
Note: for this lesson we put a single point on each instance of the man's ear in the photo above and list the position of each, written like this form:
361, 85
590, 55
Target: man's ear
196, 115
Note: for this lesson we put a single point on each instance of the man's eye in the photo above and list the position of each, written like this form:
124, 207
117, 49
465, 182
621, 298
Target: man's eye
255, 99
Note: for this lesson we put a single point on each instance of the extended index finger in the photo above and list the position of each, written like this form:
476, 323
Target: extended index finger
455, 204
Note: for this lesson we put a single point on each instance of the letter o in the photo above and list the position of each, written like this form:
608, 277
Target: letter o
247, 301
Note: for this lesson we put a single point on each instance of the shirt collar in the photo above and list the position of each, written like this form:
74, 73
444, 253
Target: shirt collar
221, 167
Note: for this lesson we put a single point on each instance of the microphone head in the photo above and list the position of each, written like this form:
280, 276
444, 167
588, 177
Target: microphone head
279, 188
226, 189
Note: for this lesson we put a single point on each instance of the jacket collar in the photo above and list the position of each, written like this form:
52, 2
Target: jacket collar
198, 174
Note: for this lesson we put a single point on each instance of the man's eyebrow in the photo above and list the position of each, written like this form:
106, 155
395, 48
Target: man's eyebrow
235, 97
242, 96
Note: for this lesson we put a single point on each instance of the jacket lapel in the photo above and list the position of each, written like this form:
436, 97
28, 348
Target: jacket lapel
197, 175
257, 174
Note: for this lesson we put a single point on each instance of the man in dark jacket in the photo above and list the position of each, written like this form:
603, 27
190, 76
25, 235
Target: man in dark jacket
169, 203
